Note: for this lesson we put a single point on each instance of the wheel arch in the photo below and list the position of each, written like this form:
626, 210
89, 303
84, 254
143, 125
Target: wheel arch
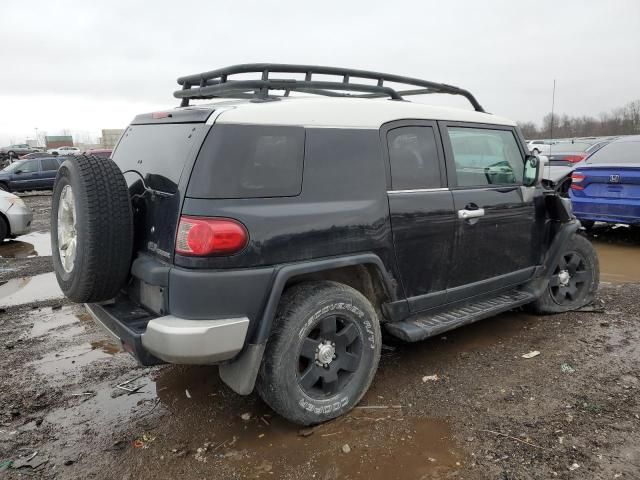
7, 224
366, 270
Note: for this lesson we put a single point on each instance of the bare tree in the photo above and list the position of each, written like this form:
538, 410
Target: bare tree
620, 121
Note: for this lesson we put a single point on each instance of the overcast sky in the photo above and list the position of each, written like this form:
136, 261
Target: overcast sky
83, 65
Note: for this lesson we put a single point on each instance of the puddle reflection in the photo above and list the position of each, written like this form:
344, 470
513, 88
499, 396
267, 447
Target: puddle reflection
23, 290
35, 244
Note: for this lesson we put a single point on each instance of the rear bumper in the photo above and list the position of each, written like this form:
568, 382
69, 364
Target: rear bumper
614, 210
154, 340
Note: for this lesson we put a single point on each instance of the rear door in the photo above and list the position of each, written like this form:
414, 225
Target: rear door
421, 208
496, 237
49, 168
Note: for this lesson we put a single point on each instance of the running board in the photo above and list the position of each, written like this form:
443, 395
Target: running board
426, 325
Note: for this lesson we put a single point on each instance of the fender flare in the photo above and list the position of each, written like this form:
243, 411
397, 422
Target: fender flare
240, 374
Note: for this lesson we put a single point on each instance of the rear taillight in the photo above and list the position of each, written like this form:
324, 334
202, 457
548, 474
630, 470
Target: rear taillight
576, 179
202, 236
574, 158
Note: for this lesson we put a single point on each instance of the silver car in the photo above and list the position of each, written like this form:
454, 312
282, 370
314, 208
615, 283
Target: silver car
15, 216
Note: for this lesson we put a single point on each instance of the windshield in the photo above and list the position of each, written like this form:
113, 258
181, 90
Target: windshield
617, 152
13, 167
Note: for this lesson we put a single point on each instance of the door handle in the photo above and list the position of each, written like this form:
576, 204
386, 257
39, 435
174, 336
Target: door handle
465, 214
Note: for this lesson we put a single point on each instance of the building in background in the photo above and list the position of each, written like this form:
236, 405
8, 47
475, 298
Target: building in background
110, 137
57, 141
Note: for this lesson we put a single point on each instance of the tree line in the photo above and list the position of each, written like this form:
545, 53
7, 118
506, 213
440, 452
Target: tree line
620, 121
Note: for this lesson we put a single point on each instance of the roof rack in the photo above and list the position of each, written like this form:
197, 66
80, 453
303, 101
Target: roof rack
216, 84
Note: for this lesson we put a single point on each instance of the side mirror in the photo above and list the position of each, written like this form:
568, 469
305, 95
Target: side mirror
531, 169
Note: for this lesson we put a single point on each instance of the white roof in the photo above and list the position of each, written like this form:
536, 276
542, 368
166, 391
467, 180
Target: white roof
343, 112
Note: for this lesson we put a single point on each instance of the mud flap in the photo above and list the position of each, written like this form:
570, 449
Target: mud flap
240, 375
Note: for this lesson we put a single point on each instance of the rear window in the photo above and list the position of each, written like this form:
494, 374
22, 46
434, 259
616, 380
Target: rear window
249, 161
157, 152
617, 152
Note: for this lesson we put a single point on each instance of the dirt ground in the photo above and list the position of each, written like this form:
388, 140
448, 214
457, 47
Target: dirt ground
465, 405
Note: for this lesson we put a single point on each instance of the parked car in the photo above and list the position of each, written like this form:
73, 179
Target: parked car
64, 151
99, 152
409, 217
606, 186
567, 154
14, 151
539, 147
33, 174
557, 175
15, 216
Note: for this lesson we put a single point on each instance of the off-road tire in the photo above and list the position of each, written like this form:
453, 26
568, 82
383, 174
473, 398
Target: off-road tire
303, 310
581, 247
104, 229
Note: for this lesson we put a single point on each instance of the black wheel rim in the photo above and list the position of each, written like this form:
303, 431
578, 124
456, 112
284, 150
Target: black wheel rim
570, 279
329, 356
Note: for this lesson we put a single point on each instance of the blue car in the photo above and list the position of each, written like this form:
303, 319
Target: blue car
32, 174
605, 187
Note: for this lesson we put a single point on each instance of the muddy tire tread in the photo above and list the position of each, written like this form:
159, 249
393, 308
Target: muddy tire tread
293, 303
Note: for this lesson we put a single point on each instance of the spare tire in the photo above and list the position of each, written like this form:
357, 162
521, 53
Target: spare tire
91, 229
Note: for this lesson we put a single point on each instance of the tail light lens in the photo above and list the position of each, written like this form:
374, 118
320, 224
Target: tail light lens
574, 158
202, 236
576, 179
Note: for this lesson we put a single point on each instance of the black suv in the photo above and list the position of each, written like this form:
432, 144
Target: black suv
277, 228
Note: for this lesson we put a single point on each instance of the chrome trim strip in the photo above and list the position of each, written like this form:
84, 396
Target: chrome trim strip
417, 190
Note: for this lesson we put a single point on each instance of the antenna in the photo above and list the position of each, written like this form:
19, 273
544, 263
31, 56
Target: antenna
553, 105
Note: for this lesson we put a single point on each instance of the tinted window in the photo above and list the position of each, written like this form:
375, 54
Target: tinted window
49, 164
617, 152
29, 166
413, 155
157, 152
486, 157
244, 161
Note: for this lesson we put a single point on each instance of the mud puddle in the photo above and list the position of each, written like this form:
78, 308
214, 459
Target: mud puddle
35, 244
618, 248
23, 290
618, 263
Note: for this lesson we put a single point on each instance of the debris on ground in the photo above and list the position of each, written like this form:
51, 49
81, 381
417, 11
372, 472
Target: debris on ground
573, 466
532, 354
5, 464
306, 432
186, 392
430, 378
32, 461
566, 368
143, 441
346, 448
246, 417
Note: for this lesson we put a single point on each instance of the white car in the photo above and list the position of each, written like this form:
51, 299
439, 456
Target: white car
15, 216
64, 151
539, 147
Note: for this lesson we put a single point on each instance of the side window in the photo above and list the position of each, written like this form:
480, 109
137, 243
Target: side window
413, 154
249, 161
49, 164
486, 157
29, 166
